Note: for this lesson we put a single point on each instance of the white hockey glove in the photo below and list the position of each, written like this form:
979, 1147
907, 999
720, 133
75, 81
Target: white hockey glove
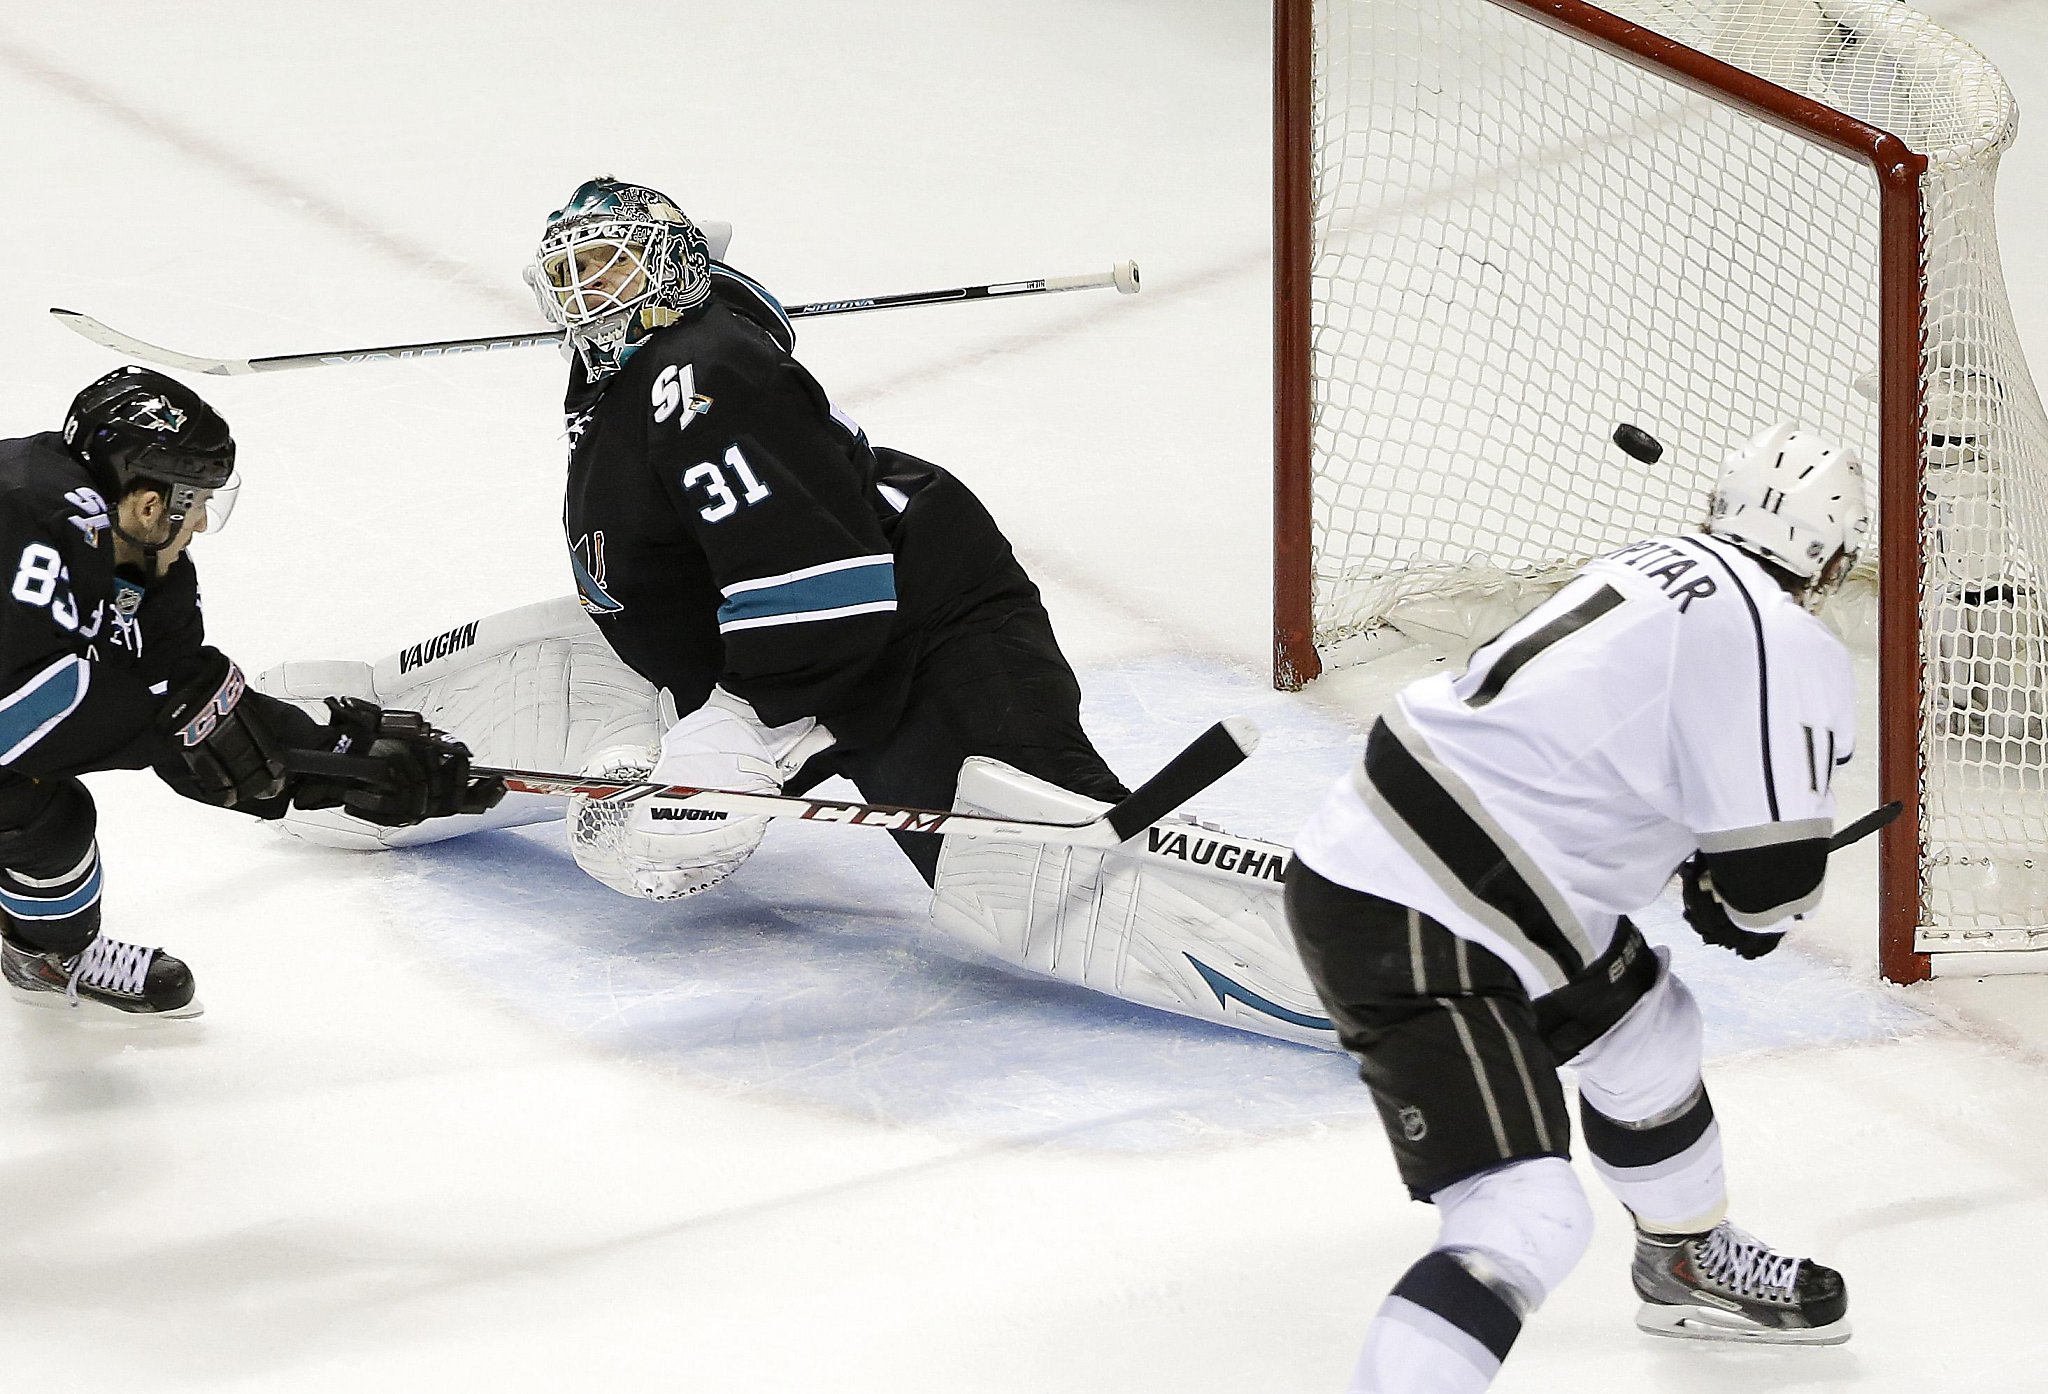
659, 852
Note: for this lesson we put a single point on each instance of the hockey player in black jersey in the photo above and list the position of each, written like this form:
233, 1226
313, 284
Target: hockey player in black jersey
104, 666
1462, 899
780, 600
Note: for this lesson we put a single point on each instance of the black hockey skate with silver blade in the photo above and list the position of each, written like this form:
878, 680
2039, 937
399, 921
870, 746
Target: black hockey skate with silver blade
1726, 1286
109, 977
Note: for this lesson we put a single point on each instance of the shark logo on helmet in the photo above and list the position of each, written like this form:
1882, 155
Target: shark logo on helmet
159, 415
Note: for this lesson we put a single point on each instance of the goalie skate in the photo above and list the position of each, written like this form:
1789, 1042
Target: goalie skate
1725, 1285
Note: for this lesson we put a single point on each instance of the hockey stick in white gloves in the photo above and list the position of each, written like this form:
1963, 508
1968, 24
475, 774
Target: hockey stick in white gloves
1213, 754
1123, 277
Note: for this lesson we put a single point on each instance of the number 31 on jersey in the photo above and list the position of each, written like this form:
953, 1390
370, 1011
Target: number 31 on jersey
720, 484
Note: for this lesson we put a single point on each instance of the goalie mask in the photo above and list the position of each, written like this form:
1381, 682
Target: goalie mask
134, 426
616, 263
1795, 499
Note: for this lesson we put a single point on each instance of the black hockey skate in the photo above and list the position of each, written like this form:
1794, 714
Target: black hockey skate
1726, 1286
108, 977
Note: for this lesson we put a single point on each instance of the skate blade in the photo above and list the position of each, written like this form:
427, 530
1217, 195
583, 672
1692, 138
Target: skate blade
1706, 1324
94, 1013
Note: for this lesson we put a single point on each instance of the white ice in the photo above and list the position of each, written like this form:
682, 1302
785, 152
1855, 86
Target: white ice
462, 1119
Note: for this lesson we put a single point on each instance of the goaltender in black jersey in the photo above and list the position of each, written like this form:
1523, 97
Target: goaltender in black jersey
104, 665
765, 599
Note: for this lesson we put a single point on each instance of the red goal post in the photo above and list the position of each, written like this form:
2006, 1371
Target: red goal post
1339, 123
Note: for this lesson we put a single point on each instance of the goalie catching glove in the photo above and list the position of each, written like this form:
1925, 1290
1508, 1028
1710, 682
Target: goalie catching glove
657, 851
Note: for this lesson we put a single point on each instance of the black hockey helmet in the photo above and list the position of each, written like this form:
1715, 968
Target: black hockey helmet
135, 425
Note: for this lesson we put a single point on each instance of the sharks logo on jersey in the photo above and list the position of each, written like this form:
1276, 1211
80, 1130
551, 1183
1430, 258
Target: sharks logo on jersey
586, 559
89, 513
676, 388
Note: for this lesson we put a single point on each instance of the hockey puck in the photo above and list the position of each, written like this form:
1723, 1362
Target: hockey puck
1639, 443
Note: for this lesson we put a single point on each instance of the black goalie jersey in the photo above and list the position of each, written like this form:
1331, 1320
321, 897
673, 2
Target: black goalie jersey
83, 652
727, 525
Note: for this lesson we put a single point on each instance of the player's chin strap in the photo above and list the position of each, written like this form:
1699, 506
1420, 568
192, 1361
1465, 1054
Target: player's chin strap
151, 572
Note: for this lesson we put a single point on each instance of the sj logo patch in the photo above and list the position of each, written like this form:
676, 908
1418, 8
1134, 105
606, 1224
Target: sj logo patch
676, 390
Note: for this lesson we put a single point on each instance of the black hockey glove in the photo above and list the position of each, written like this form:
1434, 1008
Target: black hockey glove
390, 768
1708, 916
223, 750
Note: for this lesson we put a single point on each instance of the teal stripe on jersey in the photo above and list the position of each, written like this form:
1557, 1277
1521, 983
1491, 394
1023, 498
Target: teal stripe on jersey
861, 589
38, 704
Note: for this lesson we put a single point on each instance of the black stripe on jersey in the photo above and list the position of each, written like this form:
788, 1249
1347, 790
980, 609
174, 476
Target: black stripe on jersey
1465, 848
1763, 884
1529, 645
1763, 671
1645, 1144
1439, 1283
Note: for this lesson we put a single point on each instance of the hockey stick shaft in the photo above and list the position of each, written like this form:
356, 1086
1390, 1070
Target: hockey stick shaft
1866, 825
1207, 759
1123, 277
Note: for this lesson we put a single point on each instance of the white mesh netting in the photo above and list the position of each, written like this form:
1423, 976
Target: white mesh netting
1520, 241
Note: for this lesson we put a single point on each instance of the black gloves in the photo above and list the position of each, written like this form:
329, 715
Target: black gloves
224, 751
388, 767
238, 749
1708, 916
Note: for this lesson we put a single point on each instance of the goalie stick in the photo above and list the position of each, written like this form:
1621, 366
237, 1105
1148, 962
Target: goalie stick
1210, 756
1123, 276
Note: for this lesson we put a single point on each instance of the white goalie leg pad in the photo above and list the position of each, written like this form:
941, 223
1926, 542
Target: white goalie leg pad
532, 688
1184, 918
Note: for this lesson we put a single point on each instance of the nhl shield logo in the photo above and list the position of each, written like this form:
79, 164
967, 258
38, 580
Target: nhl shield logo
1413, 1124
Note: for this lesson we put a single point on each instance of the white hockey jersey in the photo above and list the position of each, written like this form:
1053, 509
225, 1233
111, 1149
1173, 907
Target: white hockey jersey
1671, 699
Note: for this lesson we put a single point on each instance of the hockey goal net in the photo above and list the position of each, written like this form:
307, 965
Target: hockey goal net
1505, 226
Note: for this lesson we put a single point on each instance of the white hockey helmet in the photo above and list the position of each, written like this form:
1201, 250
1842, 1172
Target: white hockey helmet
1796, 499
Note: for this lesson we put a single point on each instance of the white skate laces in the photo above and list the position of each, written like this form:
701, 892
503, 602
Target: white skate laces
111, 966
1746, 1265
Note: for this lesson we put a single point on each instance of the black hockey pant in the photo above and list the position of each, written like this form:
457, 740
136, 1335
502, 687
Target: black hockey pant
49, 864
1461, 1061
1004, 692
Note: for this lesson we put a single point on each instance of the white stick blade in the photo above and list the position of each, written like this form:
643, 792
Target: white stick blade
86, 327
1244, 731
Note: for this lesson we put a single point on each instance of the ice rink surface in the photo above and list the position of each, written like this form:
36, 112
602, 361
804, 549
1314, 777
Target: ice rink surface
460, 1118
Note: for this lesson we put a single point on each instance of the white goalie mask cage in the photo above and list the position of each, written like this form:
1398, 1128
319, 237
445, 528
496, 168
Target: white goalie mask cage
616, 263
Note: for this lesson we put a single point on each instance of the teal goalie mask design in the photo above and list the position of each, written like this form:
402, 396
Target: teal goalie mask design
615, 263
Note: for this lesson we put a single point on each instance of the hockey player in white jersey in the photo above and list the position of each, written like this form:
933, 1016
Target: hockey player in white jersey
1462, 899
